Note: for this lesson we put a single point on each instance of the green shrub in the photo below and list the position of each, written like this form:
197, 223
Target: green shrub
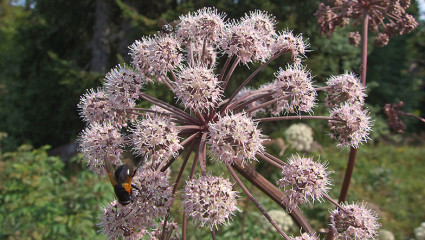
39, 200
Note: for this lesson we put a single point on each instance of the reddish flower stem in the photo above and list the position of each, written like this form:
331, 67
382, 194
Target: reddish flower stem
256, 203
184, 143
176, 185
271, 119
169, 107
270, 161
363, 69
353, 151
273, 192
250, 78
203, 153
229, 74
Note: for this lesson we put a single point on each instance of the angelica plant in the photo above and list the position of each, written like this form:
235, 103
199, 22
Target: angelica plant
220, 129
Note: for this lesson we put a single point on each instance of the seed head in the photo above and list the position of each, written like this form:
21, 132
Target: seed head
235, 136
209, 200
354, 222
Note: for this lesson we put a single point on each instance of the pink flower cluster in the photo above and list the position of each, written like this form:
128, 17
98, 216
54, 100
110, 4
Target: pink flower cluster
212, 124
210, 200
303, 178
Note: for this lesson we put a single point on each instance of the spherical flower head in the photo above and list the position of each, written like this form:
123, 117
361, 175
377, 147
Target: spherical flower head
198, 88
101, 141
352, 126
155, 56
206, 23
288, 42
123, 86
156, 193
209, 200
281, 218
242, 40
155, 137
122, 222
344, 88
302, 178
305, 236
96, 106
294, 89
299, 136
235, 137
354, 222
261, 21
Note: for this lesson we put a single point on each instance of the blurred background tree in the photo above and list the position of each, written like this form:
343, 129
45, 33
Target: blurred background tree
51, 51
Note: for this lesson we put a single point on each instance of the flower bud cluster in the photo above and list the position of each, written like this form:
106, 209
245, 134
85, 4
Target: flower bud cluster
97, 106
344, 88
388, 18
123, 85
305, 236
152, 196
155, 56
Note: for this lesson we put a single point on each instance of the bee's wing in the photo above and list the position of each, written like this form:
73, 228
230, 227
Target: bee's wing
110, 170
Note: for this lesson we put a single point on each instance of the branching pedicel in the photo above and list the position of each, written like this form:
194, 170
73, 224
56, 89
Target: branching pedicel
209, 122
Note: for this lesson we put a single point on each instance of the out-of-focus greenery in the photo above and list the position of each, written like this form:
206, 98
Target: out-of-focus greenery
42, 198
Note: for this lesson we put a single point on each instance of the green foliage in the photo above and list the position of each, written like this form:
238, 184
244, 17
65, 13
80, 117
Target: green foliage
39, 200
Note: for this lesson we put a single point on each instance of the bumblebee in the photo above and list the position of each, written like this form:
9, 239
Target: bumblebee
121, 180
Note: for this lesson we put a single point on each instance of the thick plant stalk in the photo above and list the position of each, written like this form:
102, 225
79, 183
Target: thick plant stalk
272, 191
353, 151
253, 200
